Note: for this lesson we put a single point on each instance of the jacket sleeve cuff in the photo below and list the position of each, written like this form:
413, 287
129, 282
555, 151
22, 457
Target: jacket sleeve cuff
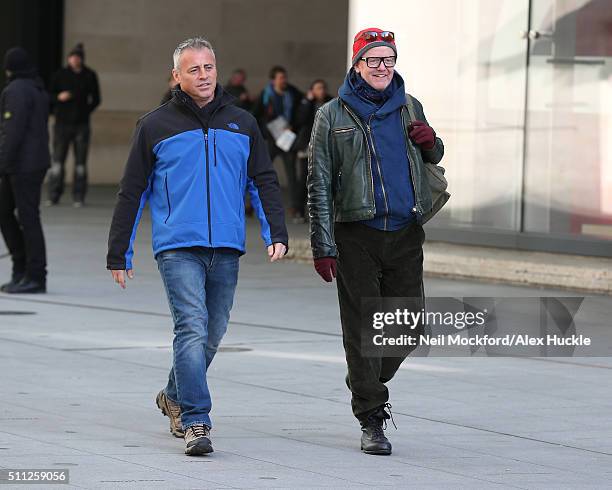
116, 267
325, 251
433, 155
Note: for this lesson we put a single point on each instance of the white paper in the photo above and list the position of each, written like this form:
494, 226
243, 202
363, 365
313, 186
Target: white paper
277, 126
285, 140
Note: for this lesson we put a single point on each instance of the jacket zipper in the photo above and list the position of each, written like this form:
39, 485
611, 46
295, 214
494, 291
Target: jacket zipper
215, 145
369, 160
167, 198
205, 129
342, 130
410, 164
208, 188
382, 182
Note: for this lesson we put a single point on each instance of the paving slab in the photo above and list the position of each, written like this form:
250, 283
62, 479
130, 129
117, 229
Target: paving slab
80, 374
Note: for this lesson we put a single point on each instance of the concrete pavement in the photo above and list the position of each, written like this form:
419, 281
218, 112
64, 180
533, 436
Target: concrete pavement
590, 275
81, 367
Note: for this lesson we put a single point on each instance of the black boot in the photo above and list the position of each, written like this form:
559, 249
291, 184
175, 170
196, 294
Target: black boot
16, 278
373, 440
27, 286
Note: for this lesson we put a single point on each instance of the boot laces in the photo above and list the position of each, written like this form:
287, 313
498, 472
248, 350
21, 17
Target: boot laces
378, 421
388, 415
378, 432
199, 430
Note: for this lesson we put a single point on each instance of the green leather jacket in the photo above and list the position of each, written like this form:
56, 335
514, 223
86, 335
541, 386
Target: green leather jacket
340, 184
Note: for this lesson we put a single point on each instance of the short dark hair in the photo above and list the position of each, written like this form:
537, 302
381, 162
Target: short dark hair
275, 70
318, 80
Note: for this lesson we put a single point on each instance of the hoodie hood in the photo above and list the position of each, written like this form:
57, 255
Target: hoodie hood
362, 98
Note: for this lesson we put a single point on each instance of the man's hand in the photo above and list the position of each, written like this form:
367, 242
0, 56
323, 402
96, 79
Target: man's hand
276, 251
326, 268
119, 276
422, 134
64, 96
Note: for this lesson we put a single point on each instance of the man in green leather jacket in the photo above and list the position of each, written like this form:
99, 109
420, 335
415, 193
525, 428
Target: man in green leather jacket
368, 195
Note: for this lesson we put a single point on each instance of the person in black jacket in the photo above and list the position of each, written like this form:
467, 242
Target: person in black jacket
368, 196
168, 93
24, 160
236, 88
317, 96
281, 99
193, 159
75, 94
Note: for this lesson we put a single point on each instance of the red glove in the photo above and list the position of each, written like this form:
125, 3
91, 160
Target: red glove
326, 268
422, 134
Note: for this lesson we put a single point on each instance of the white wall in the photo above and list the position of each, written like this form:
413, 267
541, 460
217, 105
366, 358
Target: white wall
464, 60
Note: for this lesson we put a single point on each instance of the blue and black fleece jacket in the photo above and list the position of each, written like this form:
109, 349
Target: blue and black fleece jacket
194, 166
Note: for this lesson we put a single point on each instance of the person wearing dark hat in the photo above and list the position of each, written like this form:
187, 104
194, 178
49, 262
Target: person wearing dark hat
75, 94
24, 160
368, 196
236, 88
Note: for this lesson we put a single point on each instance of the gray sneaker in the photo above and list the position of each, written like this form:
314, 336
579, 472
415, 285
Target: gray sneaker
171, 410
197, 440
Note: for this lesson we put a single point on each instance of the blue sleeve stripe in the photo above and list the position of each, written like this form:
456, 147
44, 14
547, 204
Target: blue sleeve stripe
261, 215
143, 200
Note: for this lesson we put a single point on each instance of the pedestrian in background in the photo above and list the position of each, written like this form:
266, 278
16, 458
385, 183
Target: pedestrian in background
236, 88
316, 96
168, 93
281, 99
24, 160
75, 94
368, 193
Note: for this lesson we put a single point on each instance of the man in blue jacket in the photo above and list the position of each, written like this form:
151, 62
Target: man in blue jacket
368, 196
193, 158
24, 160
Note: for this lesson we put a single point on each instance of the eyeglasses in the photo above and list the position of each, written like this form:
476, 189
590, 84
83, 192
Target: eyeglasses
371, 36
375, 61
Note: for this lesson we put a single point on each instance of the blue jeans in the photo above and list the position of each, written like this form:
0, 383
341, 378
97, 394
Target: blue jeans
200, 285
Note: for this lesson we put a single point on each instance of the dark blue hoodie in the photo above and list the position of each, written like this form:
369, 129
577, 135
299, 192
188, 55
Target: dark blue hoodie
393, 191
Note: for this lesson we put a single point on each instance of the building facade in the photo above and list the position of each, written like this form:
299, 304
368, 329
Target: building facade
521, 92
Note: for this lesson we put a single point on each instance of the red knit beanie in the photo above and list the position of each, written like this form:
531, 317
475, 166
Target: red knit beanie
360, 45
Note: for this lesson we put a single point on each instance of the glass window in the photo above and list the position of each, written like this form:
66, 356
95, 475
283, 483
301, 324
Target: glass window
568, 167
